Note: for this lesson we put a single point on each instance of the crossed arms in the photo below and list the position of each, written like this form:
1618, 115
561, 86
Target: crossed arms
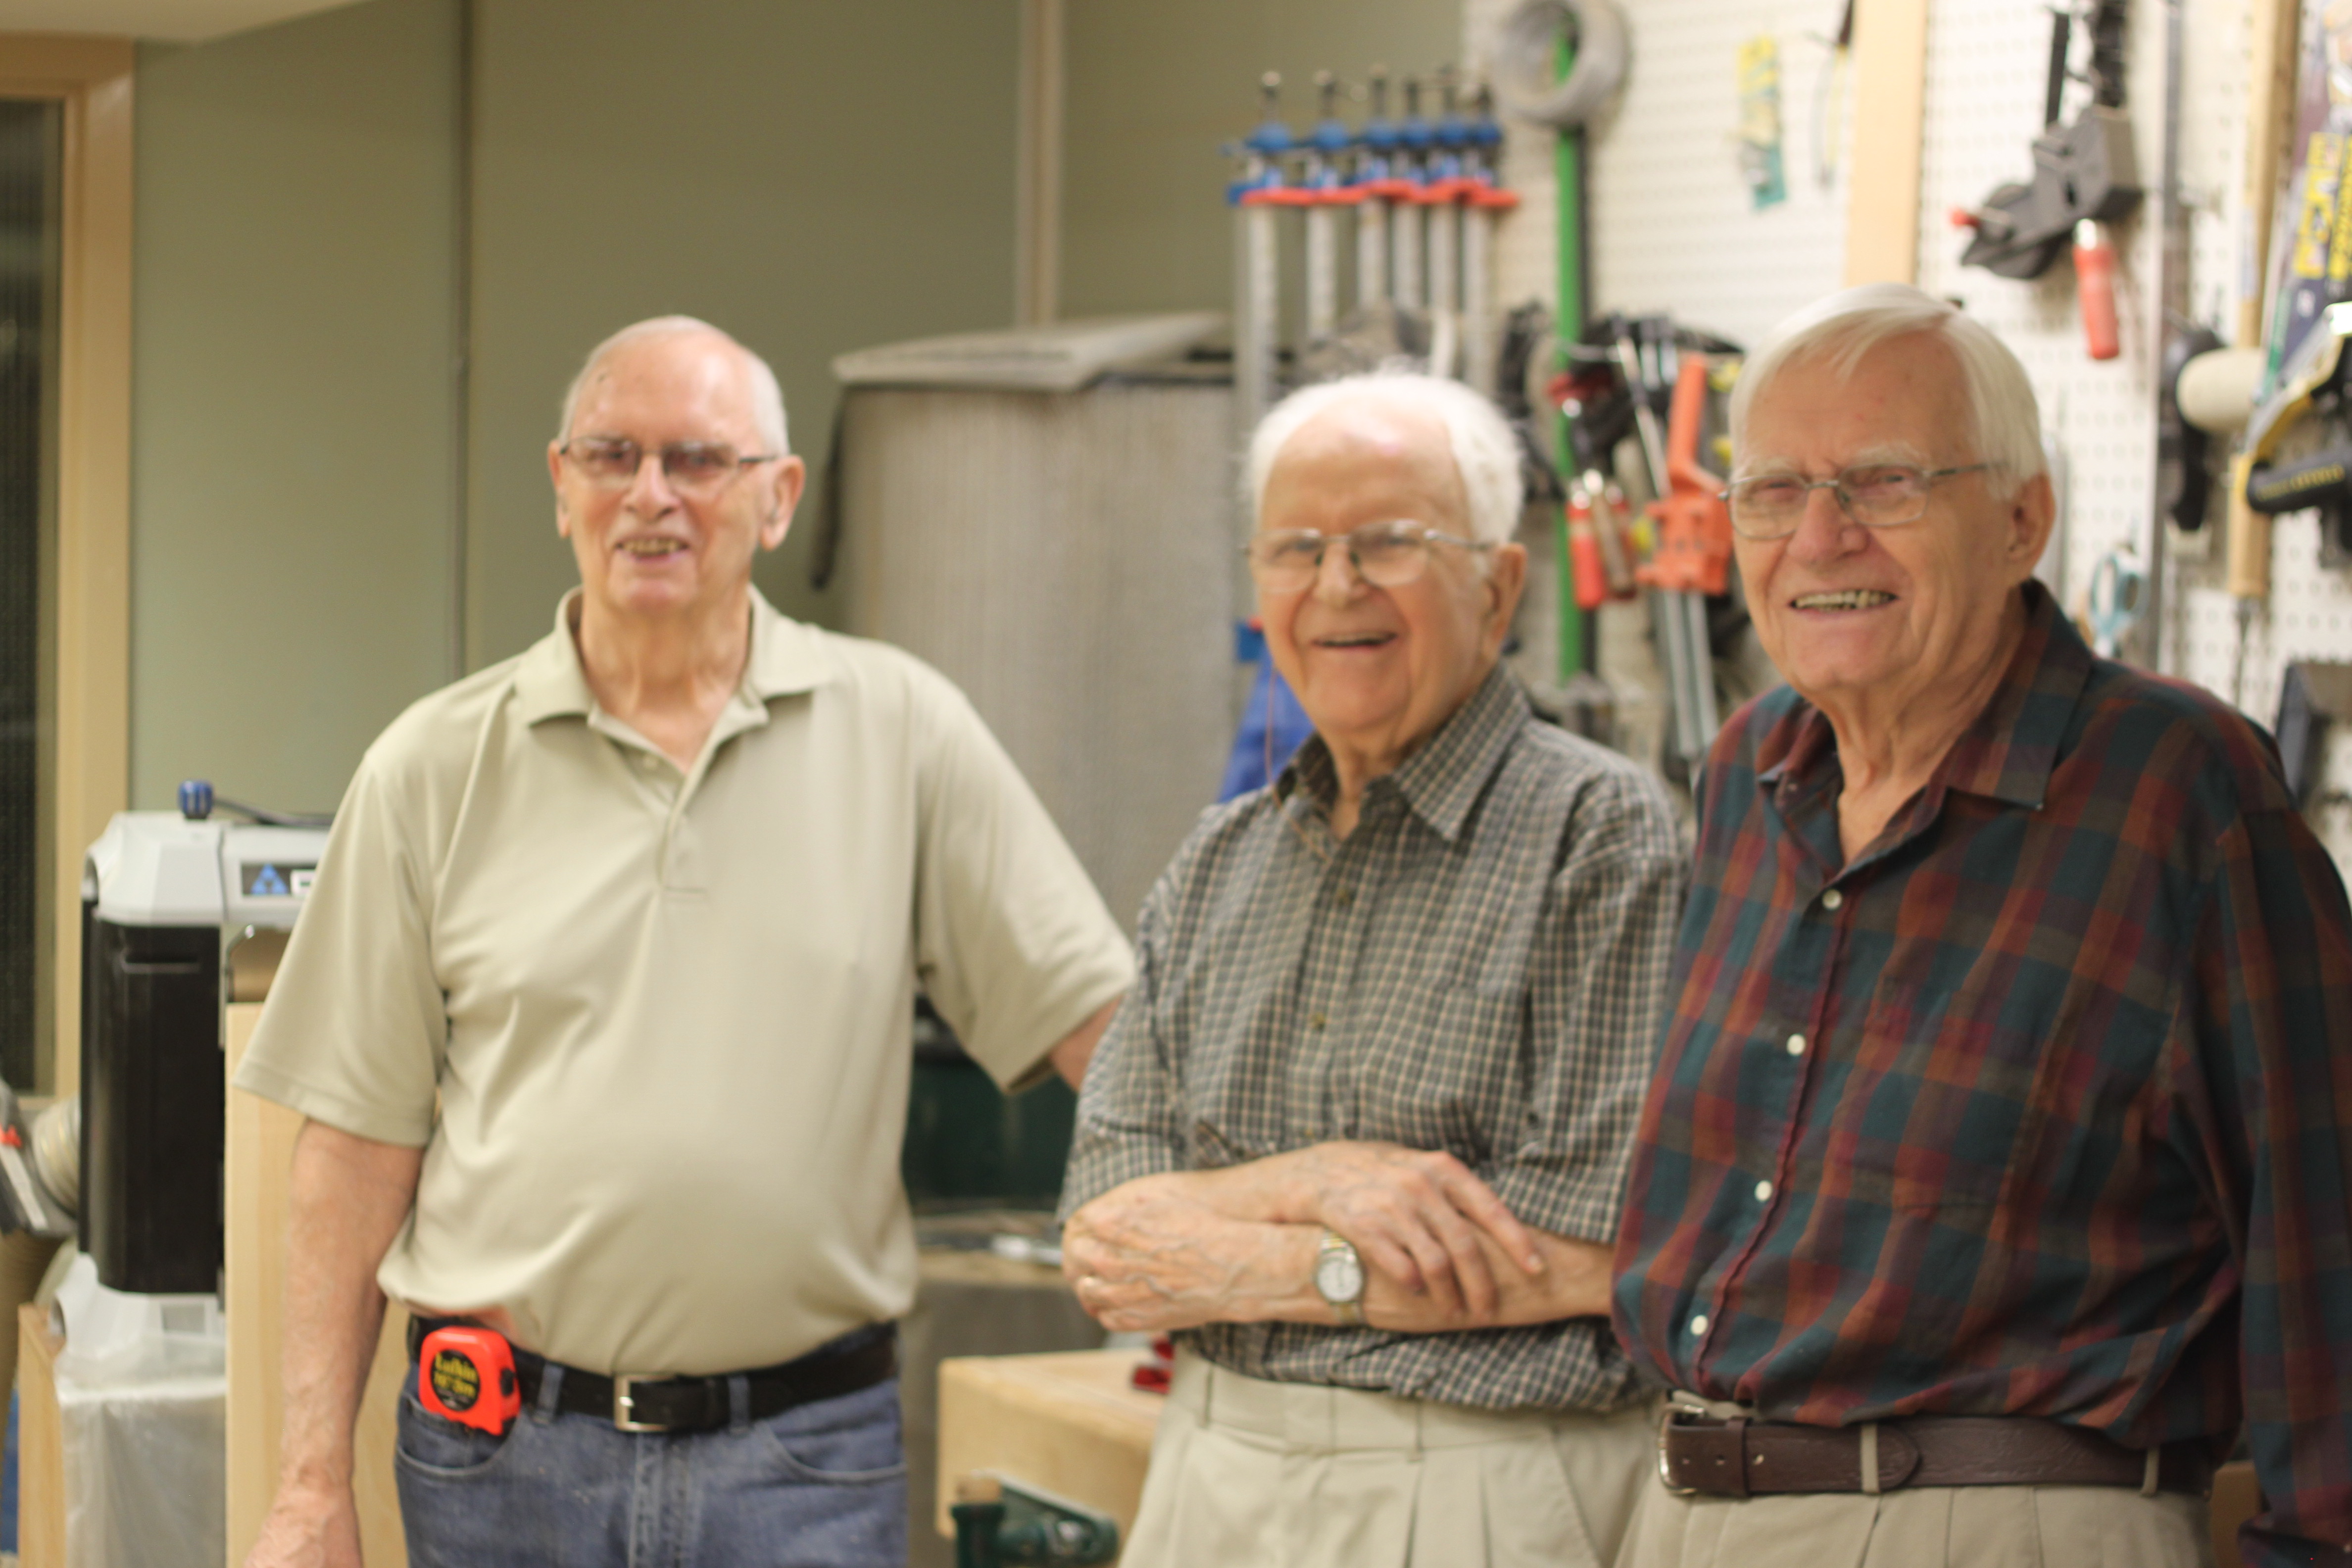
1441, 1251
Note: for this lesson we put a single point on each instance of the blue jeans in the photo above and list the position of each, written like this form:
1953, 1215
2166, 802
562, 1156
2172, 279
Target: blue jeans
821, 1485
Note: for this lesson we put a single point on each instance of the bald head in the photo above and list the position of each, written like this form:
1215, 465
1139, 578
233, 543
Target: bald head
767, 397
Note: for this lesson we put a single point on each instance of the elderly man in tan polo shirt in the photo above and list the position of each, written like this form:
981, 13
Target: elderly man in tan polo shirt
598, 1017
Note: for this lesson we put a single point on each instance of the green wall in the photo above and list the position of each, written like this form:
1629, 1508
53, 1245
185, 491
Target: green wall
310, 222
293, 398
1157, 86
813, 176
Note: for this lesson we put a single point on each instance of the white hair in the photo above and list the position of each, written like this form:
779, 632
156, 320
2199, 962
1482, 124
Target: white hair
1845, 327
1485, 451
767, 396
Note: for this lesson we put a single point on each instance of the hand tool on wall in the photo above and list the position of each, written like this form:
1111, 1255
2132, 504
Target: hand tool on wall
2085, 171
1440, 197
2113, 602
1377, 190
1484, 203
1407, 227
1325, 146
1693, 560
1258, 194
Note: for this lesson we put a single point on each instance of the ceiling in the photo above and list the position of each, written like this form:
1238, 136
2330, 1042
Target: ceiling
178, 21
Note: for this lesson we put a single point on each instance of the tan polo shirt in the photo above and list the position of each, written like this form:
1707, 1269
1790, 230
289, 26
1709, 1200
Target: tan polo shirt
666, 1015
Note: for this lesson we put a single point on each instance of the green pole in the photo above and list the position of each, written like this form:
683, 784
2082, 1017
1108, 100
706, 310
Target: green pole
1568, 184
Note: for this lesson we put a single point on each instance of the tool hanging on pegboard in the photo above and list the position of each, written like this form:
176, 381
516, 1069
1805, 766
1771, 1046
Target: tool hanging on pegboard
2085, 177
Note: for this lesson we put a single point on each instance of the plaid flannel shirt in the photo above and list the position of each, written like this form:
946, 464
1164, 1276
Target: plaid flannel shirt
1479, 967
2038, 1107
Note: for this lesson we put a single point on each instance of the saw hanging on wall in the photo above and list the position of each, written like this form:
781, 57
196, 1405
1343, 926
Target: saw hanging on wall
2085, 176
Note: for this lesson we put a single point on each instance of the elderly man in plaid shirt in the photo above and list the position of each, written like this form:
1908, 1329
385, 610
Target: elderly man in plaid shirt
1996, 1170
1357, 1135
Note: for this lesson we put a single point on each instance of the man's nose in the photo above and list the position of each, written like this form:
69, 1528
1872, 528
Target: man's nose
650, 491
1337, 581
1824, 531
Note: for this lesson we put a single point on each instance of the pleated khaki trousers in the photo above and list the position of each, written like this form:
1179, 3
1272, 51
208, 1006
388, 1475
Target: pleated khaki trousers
1247, 1473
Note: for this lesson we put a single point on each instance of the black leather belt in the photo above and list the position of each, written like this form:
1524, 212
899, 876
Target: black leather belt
1741, 1459
859, 1359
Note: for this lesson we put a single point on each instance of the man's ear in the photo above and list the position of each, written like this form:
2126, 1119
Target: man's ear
555, 479
2033, 513
792, 478
1506, 579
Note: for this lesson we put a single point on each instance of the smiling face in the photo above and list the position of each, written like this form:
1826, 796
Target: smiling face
1377, 669
647, 551
1881, 619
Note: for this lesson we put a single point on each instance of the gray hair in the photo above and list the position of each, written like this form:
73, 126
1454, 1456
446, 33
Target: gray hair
1485, 451
1843, 328
767, 396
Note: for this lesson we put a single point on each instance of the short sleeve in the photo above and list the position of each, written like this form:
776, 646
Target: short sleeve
1598, 991
355, 1026
1129, 1111
1013, 945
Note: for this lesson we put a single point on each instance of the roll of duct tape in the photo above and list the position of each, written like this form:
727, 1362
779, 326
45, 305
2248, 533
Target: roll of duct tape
1527, 79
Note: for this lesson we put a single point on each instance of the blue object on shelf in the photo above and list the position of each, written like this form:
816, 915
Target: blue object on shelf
1271, 705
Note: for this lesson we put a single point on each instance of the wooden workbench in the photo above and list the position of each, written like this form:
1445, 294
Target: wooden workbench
1071, 1424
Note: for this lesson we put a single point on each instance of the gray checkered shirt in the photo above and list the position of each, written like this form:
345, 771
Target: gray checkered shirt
1479, 967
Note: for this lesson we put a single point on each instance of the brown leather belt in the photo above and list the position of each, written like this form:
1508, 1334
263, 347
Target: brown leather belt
1741, 1459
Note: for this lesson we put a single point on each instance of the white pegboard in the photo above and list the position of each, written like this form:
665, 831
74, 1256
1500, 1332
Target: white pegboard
1672, 228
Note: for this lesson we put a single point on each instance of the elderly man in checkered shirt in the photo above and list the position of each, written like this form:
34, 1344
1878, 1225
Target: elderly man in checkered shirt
1358, 1136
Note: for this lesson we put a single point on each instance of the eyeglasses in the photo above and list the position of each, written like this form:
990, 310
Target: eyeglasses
1385, 554
611, 462
1875, 495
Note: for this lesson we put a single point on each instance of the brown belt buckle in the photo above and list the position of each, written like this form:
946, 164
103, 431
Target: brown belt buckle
1666, 1424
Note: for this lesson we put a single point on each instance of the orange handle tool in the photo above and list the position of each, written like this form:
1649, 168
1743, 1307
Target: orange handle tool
467, 1375
1584, 552
2095, 281
1694, 554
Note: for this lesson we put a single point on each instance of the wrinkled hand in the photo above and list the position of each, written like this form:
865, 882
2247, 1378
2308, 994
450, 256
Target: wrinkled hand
1149, 1258
1413, 1215
308, 1528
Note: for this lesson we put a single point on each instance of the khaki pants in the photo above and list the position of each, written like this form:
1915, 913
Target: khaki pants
1252, 1474
1953, 1527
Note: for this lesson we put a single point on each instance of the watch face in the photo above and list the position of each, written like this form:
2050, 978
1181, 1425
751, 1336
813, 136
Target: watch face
1339, 1276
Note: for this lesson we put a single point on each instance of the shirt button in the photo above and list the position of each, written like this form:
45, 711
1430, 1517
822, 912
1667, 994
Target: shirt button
1763, 1191
1698, 1324
1343, 896
1796, 1045
1315, 1021
1831, 900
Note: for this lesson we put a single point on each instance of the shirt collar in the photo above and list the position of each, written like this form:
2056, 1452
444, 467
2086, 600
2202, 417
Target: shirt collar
2009, 750
786, 657
1442, 776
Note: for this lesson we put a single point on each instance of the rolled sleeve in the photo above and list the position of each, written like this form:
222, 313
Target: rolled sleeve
1597, 992
1014, 945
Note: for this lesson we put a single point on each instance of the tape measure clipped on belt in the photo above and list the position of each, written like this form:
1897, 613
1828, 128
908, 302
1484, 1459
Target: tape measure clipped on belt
467, 1375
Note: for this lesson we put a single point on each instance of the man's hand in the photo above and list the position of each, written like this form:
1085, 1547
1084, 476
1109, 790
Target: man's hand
1148, 1256
1412, 1215
314, 1528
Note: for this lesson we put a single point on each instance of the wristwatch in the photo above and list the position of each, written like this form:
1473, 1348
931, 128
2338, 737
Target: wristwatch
1339, 1279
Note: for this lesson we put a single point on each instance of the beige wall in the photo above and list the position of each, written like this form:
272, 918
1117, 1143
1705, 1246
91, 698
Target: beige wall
293, 387
1156, 86
815, 176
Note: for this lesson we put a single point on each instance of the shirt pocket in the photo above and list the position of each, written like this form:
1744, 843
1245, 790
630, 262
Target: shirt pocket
1448, 1076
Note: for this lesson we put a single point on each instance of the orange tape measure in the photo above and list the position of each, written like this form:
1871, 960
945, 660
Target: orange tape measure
467, 1375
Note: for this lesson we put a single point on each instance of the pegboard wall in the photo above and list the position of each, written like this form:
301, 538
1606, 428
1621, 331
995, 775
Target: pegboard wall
1671, 228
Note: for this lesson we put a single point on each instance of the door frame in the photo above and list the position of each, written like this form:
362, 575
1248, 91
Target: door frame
87, 760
